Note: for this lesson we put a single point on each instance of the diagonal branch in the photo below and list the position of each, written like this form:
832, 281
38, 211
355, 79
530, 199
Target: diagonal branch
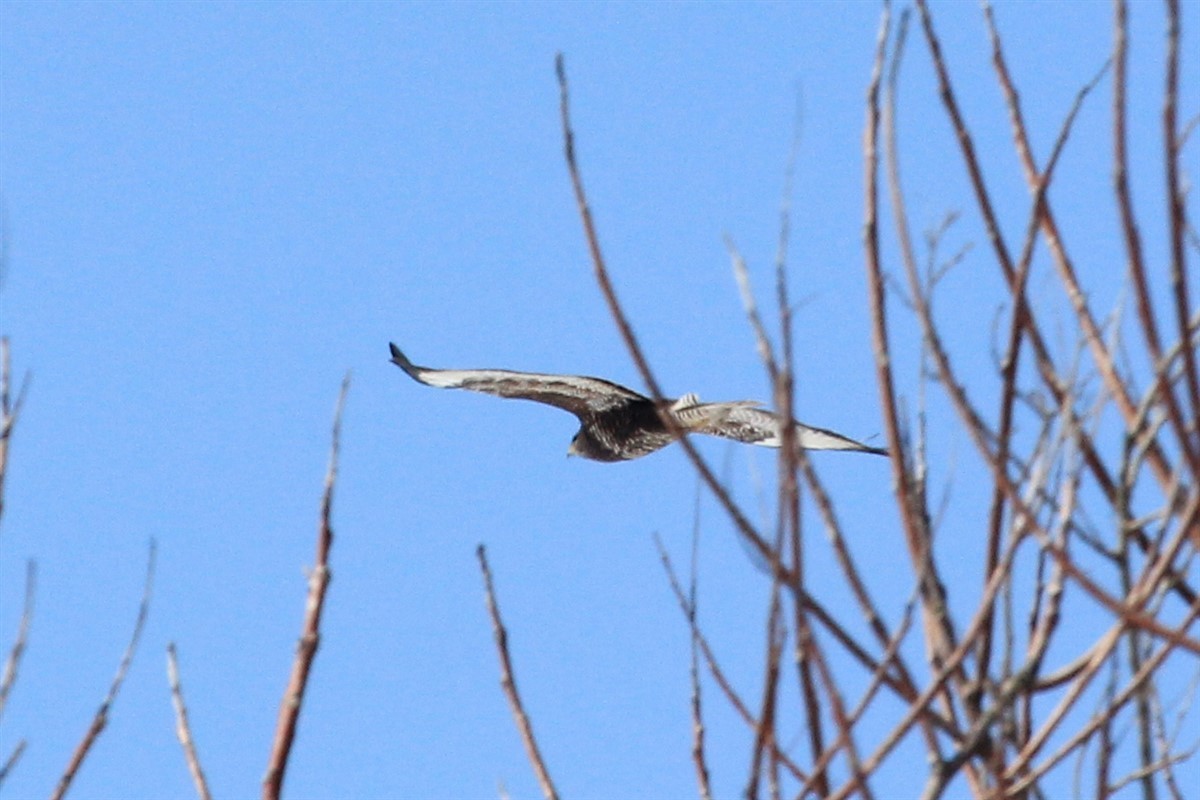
183, 729
509, 682
101, 719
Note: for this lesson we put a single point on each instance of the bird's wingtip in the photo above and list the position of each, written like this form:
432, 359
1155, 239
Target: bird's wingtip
398, 358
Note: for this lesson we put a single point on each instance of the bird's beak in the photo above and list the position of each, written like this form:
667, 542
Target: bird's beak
571, 451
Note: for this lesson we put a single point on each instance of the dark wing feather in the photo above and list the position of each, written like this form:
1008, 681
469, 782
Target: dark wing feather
575, 393
762, 427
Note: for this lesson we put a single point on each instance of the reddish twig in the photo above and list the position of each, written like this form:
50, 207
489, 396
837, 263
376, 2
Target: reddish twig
310, 637
1177, 214
183, 730
101, 718
1132, 236
508, 682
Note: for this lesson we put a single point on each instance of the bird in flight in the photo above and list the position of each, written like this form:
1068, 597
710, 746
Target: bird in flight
619, 424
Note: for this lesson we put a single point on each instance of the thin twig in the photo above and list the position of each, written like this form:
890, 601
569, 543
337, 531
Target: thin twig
714, 667
183, 730
101, 718
310, 637
1132, 236
11, 762
12, 664
508, 682
1177, 214
699, 759
10, 409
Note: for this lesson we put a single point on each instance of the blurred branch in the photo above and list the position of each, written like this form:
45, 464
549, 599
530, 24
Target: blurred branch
101, 718
1132, 236
9, 763
1177, 214
183, 729
13, 663
698, 755
508, 682
310, 638
10, 408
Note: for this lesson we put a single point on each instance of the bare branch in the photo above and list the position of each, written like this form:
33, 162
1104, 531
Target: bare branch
13, 663
10, 409
101, 718
183, 730
508, 682
310, 637
9, 763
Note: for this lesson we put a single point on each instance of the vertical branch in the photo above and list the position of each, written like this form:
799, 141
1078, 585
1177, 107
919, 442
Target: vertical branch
1132, 237
101, 719
310, 637
1021, 320
764, 735
183, 730
939, 630
509, 682
1101, 354
12, 664
698, 756
1177, 214
744, 526
714, 668
10, 409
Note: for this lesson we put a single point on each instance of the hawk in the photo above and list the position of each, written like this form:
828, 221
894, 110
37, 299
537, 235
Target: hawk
619, 424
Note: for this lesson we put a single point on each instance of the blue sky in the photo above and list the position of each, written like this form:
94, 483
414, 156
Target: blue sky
213, 211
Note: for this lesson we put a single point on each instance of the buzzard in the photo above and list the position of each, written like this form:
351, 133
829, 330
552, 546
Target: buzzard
618, 424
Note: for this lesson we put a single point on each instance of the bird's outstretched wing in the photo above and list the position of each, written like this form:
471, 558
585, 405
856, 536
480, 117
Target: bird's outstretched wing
578, 394
759, 426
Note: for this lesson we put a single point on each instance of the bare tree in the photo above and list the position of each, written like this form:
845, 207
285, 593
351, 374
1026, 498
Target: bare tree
1085, 518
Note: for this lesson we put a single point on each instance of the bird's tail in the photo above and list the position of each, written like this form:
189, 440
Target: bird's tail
696, 417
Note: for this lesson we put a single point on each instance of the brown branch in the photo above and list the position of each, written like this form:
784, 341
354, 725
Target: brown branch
910, 516
1177, 214
1101, 354
873, 685
1148, 668
1132, 237
310, 637
699, 759
183, 729
743, 524
101, 719
764, 734
710, 660
10, 409
508, 682
13, 663
9, 763
940, 636
1021, 319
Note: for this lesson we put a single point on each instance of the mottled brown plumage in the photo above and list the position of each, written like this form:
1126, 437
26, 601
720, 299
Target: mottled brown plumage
619, 424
